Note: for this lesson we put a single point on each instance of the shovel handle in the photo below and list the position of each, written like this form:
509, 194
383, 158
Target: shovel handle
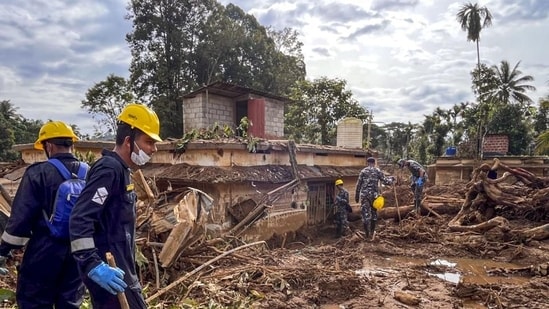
121, 296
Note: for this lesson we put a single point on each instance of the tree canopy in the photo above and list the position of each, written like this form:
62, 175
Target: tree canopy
178, 46
316, 108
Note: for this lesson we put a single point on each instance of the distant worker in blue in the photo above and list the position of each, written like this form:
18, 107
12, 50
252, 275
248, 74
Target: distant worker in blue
103, 219
48, 276
418, 180
367, 190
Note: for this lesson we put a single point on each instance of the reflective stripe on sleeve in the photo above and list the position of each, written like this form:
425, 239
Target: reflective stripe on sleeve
82, 244
14, 240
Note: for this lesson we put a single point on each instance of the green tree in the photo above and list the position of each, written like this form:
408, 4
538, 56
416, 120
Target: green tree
541, 118
7, 139
510, 120
509, 86
472, 19
163, 45
316, 108
106, 99
541, 127
15, 130
178, 46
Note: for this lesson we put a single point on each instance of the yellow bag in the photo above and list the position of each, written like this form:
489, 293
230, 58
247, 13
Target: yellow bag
379, 202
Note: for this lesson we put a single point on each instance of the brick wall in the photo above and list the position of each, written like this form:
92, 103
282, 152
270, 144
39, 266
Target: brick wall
496, 144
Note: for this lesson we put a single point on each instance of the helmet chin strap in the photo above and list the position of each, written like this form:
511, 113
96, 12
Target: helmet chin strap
45, 146
132, 140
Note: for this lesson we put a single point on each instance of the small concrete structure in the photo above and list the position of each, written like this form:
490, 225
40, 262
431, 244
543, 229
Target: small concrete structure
226, 104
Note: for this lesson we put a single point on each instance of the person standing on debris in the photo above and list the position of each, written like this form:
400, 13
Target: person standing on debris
418, 178
342, 207
103, 219
367, 190
48, 276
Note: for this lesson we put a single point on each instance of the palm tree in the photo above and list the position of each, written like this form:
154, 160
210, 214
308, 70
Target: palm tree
509, 86
473, 19
8, 110
542, 143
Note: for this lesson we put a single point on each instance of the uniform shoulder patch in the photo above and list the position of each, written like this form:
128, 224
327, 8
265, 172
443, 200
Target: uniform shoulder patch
100, 195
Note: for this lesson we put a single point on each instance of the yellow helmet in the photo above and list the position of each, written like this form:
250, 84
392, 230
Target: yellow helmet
339, 182
143, 118
379, 202
54, 129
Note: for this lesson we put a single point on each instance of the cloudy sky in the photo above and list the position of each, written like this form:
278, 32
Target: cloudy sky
401, 58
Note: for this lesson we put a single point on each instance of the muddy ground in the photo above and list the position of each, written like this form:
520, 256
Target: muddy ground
415, 263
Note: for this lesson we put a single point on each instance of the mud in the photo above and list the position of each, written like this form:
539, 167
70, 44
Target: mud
415, 263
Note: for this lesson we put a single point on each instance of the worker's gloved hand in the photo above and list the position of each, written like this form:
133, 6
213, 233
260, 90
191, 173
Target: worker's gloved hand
3, 269
109, 278
419, 181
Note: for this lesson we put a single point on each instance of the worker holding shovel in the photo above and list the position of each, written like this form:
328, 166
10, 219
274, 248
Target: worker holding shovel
103, 219
418, 178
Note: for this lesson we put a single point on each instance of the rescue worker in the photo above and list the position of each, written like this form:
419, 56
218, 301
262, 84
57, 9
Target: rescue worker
48, 276
103, 219
418, 179
367, 190
342, 208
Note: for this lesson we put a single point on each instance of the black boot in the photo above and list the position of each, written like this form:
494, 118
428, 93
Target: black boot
373, 229
339, 230
367, 230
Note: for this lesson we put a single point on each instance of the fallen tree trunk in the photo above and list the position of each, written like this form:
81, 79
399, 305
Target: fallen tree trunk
439, 208
537, 233
486, 197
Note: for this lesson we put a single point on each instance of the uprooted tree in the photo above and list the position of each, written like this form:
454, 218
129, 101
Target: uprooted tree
490, 203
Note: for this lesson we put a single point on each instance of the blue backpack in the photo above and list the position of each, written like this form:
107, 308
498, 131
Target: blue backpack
67, 194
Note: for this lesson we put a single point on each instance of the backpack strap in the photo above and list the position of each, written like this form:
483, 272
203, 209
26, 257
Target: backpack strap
61, 168
82, 170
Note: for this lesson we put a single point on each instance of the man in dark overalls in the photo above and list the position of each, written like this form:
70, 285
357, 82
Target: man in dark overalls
48, 276
103, 219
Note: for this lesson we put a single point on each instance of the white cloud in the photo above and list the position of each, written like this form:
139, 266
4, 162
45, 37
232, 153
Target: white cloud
401, 58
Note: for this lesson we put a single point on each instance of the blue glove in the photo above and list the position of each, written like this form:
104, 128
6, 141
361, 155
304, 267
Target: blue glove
109, 278
419, 181
3, 269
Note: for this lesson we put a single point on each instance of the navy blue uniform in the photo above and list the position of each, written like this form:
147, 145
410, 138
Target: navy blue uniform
103, 220
48, 275
342, 204
416, 170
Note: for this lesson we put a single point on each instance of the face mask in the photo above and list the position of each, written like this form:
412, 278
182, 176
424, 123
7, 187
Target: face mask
140, 158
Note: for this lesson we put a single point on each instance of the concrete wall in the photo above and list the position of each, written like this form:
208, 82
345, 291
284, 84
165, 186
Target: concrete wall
203, 111
278, 223
274, 118
449, 170
193, 114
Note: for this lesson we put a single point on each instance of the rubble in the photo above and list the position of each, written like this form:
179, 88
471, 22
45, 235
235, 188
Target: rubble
184, 264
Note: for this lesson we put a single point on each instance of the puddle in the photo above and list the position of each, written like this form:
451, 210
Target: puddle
450, 277
453, 270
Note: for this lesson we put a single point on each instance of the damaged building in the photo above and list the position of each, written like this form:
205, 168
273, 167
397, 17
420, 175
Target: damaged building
277, 188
